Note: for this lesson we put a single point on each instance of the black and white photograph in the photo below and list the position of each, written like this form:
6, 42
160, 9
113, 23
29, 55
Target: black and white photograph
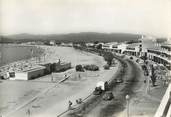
85, 58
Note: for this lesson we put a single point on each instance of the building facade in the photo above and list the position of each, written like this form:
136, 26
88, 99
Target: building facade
29, 74
147, 47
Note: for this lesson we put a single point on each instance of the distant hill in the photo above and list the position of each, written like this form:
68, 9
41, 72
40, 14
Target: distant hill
72, 37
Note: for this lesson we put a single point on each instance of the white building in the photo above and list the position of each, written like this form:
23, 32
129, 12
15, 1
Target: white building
157, 50
52, 43
133, 49
109, 46
90, 44
160, 55
122, 47
29, 73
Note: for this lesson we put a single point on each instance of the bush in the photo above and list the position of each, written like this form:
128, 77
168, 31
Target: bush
144, 58
79, 68
106, 66
91, 67
163, 68
131, 58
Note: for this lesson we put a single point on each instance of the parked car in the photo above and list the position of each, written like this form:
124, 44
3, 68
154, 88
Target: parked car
137, 60
108, 96
97, 91
118, 80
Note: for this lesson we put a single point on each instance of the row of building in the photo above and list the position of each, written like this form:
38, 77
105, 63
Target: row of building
157, 50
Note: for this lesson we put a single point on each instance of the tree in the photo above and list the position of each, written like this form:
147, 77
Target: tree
91, 67
108, 56
79, 68
106, 66
153, 76
144, 58
99, 46
96, 42
82, 44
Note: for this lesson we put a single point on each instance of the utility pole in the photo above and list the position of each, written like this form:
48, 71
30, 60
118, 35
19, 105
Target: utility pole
52, 77
148, 79
148, 84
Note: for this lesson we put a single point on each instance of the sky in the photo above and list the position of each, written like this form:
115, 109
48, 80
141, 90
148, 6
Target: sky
152, 17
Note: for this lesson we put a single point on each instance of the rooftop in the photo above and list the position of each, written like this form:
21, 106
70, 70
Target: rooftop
33, 69
111, 43
133, 45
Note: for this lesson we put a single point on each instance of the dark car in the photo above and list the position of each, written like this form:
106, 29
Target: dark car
108, 96
137, 60
118, 80
97, 91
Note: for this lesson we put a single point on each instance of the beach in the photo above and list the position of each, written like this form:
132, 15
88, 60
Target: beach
42, 96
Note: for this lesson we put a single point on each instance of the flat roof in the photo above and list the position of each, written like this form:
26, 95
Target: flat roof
133, 45
111, 43
166, 45
33, 69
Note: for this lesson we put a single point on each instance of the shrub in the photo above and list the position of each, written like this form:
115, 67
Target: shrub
144, 58
163, 68
131, 58
91, 67
79, 68
106, 66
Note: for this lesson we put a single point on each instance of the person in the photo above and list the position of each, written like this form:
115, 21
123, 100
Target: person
79, 76
28, 112
69, 105
79, 101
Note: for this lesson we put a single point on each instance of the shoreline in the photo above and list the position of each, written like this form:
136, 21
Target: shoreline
72, 89
11, 53
17, 65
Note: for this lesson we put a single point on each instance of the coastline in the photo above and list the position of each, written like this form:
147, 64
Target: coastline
14, 56
72, 89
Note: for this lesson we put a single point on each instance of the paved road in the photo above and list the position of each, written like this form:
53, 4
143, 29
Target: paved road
131, 78
50, 102
96, 107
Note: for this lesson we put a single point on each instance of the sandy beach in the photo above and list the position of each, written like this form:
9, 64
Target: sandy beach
55, 99
44, 98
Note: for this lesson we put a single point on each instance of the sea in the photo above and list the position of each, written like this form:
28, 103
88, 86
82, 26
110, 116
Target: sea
12, 52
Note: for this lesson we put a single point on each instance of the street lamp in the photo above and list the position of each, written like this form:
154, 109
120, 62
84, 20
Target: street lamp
127, 97
52, 77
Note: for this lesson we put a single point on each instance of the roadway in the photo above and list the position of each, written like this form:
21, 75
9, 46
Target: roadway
95, 106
